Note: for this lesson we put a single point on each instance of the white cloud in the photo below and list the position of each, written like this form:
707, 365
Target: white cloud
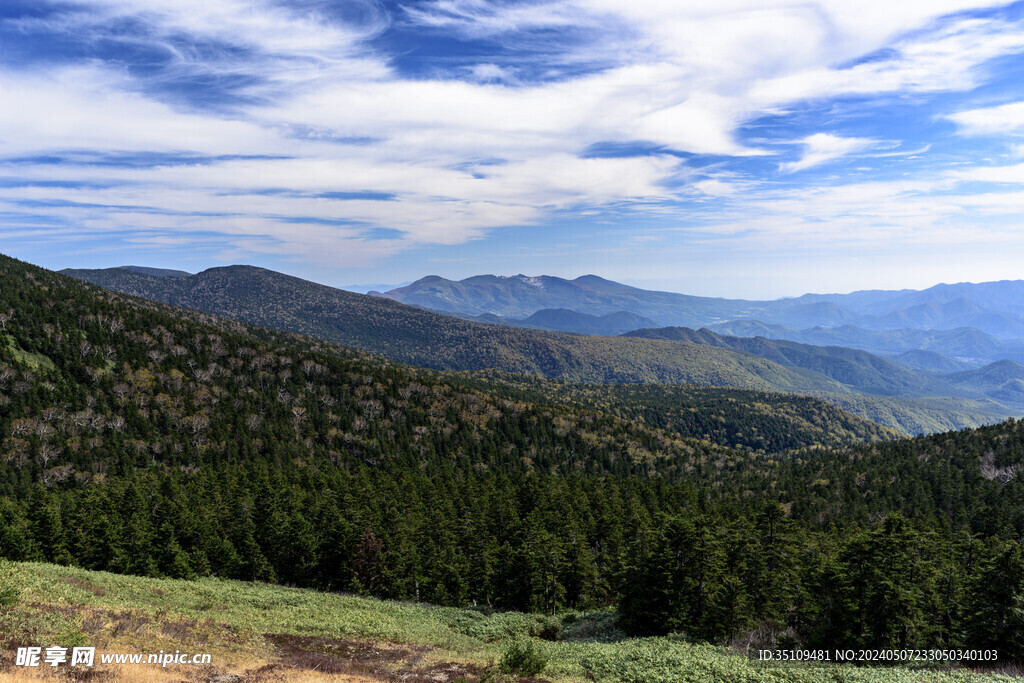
92, 108
241, 198
490, 72
823, 147
991, 174
944, 60
270, 27
479, 18
917, 214
1005, 118
714, 187
682, 75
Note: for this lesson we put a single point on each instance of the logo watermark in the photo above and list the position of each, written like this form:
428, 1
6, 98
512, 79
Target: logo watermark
56, 655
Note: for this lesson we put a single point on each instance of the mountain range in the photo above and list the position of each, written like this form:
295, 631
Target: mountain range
909, 400
972, 323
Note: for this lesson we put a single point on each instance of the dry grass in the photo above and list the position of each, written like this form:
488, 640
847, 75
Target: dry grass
255, 672
239, 657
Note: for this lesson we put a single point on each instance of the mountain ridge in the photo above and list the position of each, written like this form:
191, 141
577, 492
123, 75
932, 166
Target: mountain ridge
419, 337
991, 307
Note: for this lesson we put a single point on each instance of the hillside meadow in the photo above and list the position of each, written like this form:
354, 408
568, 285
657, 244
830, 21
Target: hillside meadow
262, 632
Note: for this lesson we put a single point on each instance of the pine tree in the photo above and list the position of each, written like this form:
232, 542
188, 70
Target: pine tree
995, 611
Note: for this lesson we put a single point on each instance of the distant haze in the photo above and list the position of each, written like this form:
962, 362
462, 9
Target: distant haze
363, 289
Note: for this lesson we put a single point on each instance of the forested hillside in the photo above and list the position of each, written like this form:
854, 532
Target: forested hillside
860, 370
144, 440
418, 337
740, 418
863, 371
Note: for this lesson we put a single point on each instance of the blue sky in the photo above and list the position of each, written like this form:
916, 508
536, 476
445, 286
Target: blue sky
736, 148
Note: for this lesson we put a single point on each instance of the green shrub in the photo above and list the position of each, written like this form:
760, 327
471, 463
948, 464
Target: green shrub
522, 659
593, 627
546, 628
498, 626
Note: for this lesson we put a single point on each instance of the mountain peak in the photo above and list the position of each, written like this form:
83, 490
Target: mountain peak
157, 272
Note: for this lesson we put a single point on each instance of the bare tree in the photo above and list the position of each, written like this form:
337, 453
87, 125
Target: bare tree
46, 453
57, 475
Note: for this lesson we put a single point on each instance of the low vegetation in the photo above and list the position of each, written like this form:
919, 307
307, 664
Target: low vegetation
265, 632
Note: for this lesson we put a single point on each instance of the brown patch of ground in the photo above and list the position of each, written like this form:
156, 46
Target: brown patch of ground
295, 659
375, 661
340, 656
444, 672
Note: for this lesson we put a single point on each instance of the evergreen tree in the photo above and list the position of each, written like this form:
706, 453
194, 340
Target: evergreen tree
995, 611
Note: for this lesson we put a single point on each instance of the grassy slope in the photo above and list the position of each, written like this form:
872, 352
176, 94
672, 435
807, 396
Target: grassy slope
287, 633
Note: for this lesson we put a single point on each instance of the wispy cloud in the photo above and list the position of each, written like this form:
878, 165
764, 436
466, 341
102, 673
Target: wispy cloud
298, 127
823, 147
992, 174
1005, 118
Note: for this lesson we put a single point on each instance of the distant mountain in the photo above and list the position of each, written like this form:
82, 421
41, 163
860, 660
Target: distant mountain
419, 337
158, 272
951, 314
1002, 381
993, 309
564, 320
375, 288
823, 313
1001, 296
996, 308
929, 361
860, 370
962, 344
521, 296
756, 328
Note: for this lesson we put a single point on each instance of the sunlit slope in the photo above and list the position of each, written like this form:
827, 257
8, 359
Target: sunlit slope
256, 631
